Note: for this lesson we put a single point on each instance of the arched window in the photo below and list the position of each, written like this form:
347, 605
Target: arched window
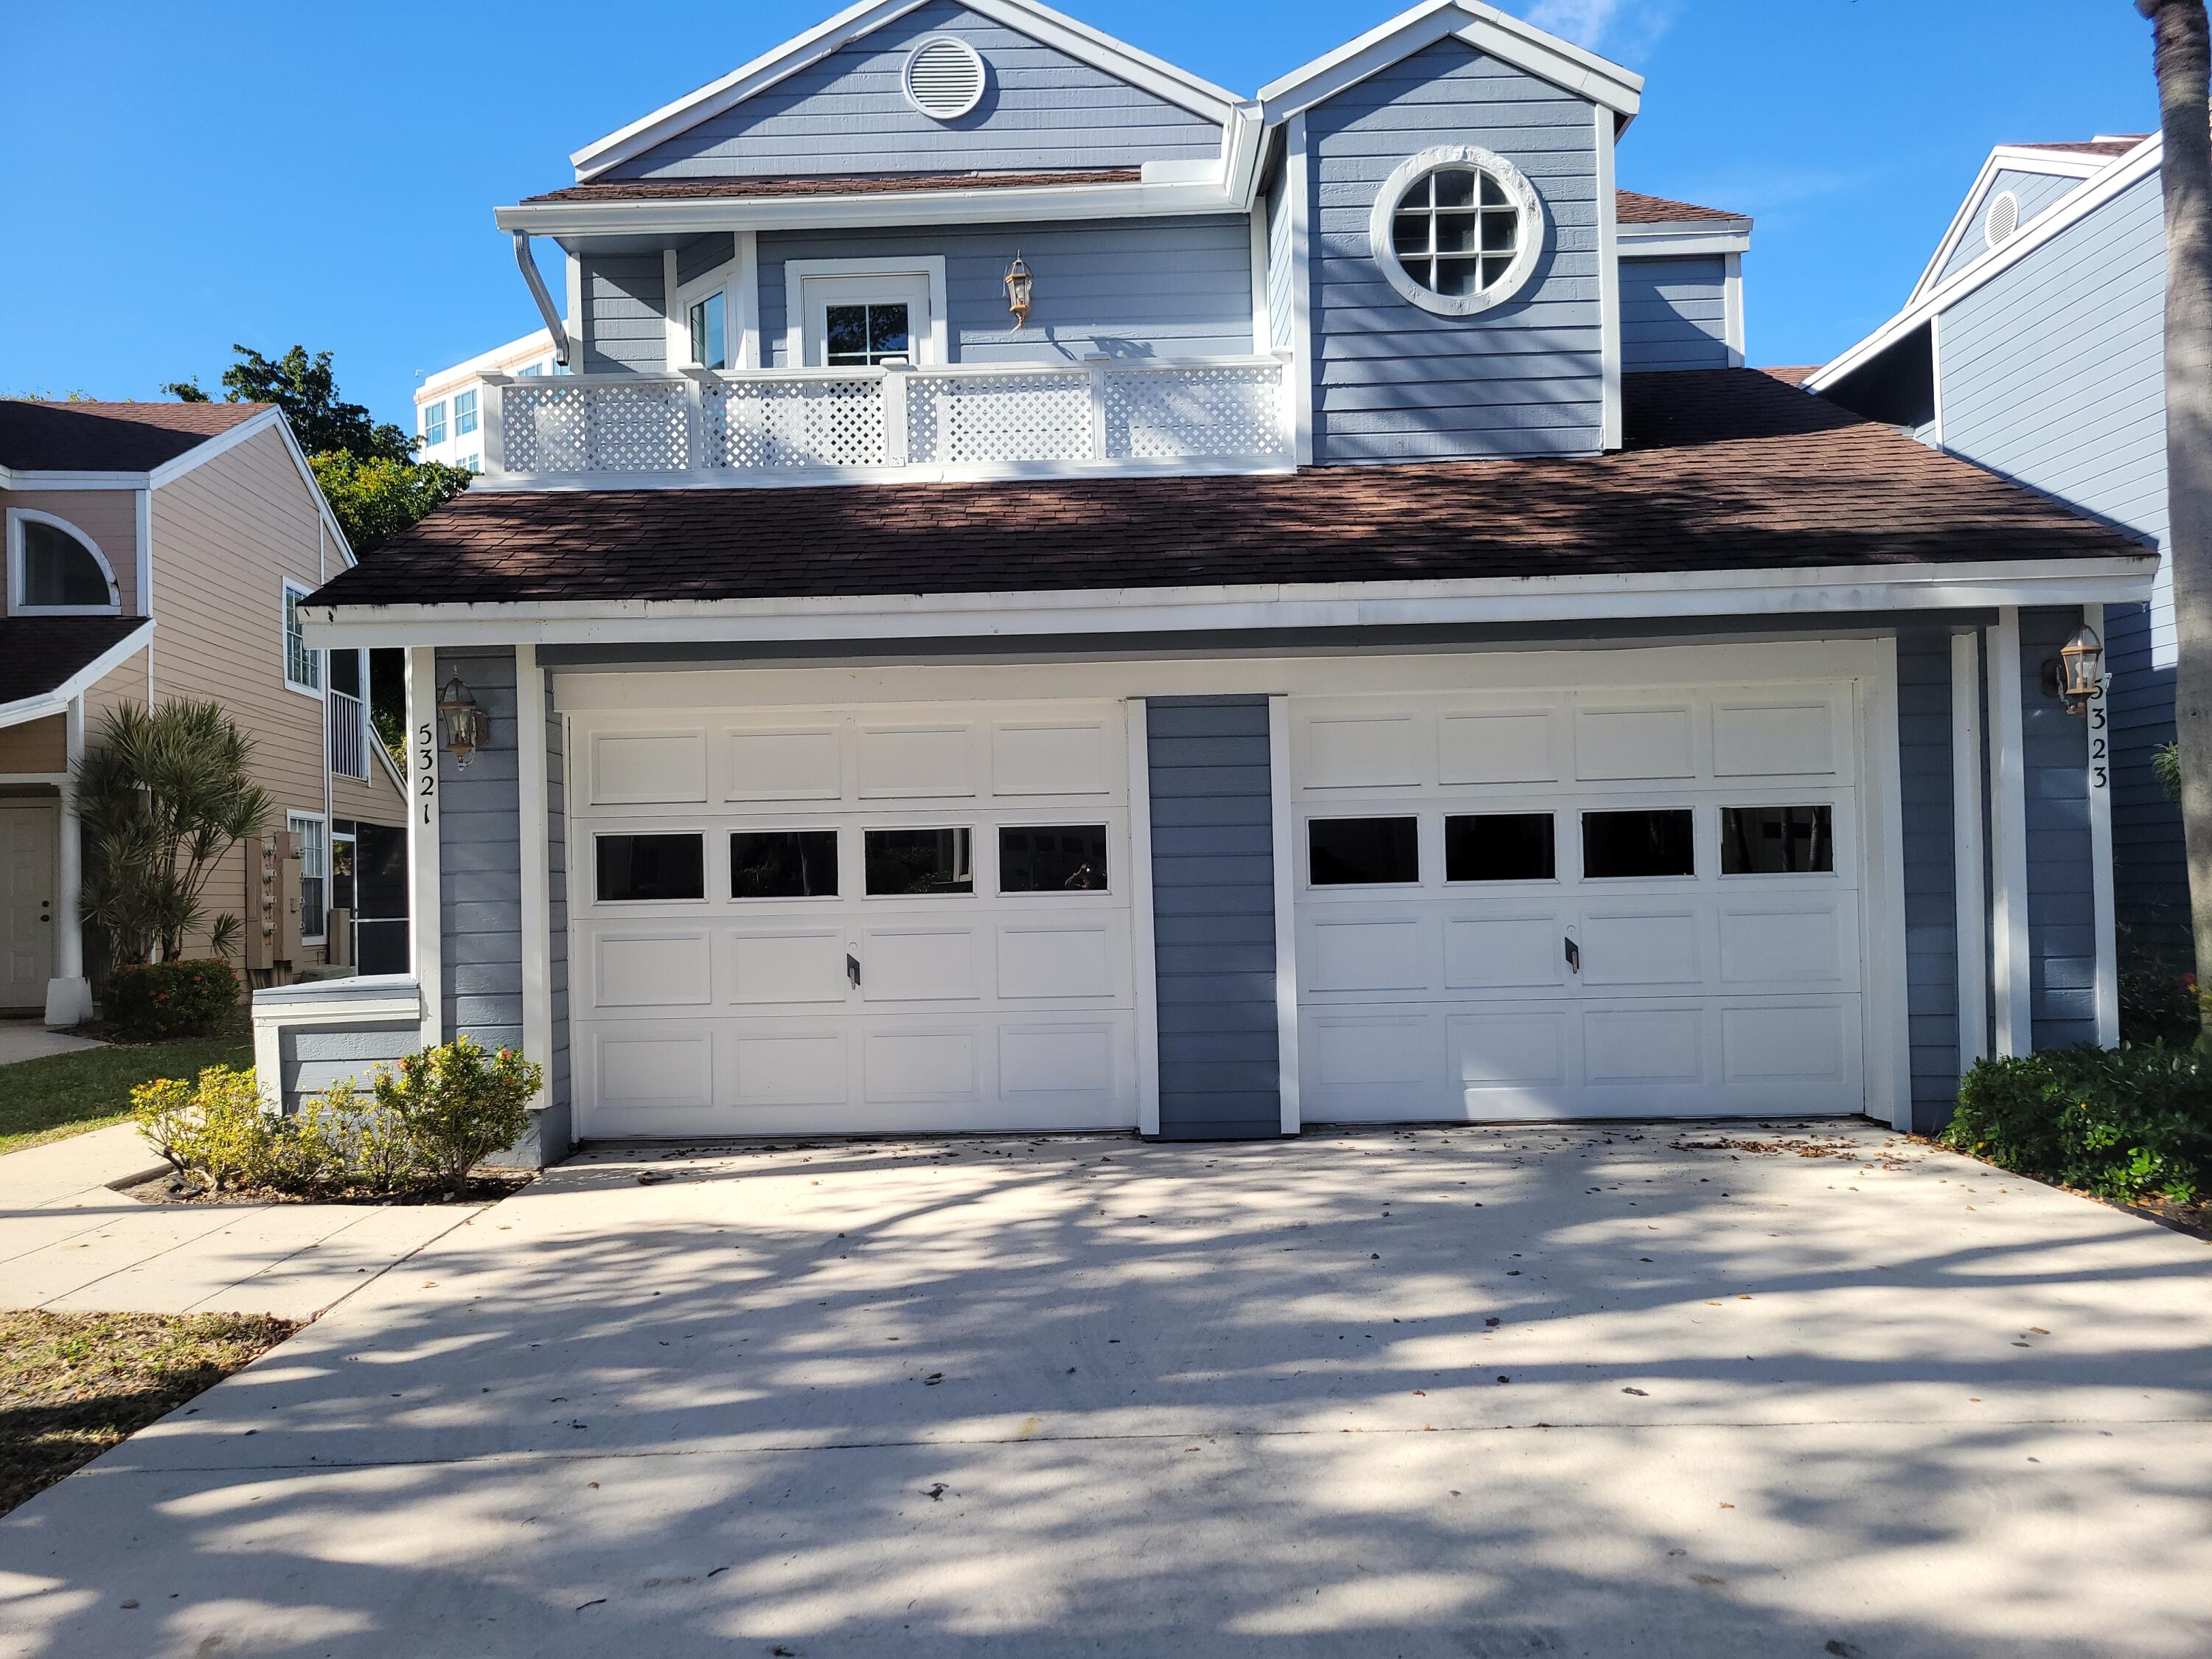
54, 567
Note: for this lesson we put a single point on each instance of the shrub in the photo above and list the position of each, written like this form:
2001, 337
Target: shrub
460, 1105
2118, 1122
151, 1002
214, 1133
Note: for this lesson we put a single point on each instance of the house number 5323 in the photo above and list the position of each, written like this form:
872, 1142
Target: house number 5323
426, 768
2099, 741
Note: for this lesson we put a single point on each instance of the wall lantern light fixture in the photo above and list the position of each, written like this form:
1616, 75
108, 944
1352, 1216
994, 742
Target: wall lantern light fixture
1018, 285
463, 721
2077, 672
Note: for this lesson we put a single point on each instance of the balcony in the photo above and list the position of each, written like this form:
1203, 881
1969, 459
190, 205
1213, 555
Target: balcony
348, 727
785, 426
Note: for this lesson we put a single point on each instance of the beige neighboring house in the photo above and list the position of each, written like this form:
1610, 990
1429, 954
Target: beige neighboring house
159, 550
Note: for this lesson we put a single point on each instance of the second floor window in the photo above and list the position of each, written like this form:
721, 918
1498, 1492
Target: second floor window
862, 335
464, 413
54, 567
303, 669
434, 422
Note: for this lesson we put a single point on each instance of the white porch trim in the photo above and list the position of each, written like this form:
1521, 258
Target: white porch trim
531, 768
1969, 855
2010, 965
1143, 948
1283, 846
425, 911
2100, 850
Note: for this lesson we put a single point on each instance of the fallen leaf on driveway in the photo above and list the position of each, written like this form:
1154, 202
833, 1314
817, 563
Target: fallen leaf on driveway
1638, 1392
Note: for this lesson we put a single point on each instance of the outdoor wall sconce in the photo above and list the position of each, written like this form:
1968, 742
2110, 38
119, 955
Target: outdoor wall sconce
466, 728
1018, 283
2077, 671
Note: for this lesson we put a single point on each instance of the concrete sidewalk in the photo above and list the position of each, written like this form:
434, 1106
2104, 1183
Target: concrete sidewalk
1536, 1392
69, 1242
29, 1039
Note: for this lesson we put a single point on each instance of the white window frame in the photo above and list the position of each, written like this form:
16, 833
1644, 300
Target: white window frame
812, 286
293, 821
430, 440
460, 431
722, 279
18, 517
1412, 171
291, 591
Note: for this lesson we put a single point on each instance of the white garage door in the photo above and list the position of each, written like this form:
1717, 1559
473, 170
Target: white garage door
1578, 903
858, 919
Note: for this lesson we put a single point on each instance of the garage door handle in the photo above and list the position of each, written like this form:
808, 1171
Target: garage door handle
1574, 956
853, 970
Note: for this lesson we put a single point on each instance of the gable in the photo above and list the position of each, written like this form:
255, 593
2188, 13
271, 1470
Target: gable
2035, 193
1042, 110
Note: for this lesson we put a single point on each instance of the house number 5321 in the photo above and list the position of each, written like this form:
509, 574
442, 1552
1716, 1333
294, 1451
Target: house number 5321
426, 768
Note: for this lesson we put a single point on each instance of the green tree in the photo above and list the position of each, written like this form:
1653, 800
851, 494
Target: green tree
306, 389
163, 796
377, 498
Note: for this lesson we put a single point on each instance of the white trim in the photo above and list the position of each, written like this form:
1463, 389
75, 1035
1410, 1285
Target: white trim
293, 817
1847, 590
2100, 849
1886, 1006
1935, 376
1039, 23
2010, 965
928, 268
1693, 239
1486, 29
57, 700
576, 323
69, 993
1262, 322
18, 517
2005, 158
1608, 283
288, 587
533, 772
143, 529
1533, 227
1732, 307
972, 60
675, 345
2137, 165
1143, 950
724, 279
1283, 818
1297, 181
1968, 853
746, 291
425, 909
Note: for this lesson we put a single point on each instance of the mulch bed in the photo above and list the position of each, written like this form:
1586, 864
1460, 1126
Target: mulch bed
483, 1187
72, 1385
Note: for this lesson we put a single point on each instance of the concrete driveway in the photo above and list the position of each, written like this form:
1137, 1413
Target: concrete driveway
1470, 1392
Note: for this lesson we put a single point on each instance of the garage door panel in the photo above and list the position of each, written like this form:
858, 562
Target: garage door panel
1776, 736
1504, 951
795, 763
916, 762
1367, 953
922, 1064
642, 768
791, 1064
1039, 759
1071, 959
787, 965
1509, 746
1527, 1050
1644, 1046
1643, 944
1634, 744
1366, 1050
650, 968
1351, 751
1774, 1041
1778, 943
654, 1068
920, 964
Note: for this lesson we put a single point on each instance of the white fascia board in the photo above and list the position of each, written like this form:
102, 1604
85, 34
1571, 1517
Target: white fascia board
58, 700
2137, 165
2006, 158
1683, 240
993, 205
1828, 590
1040, 23
10, 478
1485, 28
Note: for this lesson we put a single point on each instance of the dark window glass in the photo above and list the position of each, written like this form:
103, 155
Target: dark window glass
1777, 841
1499, 846
1655, 841
864, 335
901, 861
783, 864
1352, 852
1055, 859
58, 570
652, 867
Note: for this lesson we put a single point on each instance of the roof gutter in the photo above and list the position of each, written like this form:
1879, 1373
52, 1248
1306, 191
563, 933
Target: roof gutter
562, 347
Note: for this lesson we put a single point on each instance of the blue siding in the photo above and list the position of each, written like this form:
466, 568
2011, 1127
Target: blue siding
2036, 192
846, 114
2062, 918
1282, 319
1673, 314
310, 1060
1214, 917
1147, 287
625, 314
480, 863
1395, 382
1931, 918
2053, 374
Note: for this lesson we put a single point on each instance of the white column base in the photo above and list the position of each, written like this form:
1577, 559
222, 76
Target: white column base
68, 1002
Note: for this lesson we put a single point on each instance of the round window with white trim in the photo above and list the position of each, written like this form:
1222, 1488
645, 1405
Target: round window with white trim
1456, 229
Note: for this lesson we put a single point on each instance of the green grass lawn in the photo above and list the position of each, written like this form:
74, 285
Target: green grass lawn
59, 1095
72, 1385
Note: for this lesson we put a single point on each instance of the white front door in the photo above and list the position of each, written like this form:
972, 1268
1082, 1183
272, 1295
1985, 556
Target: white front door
896, 919
27, 907
1616, 902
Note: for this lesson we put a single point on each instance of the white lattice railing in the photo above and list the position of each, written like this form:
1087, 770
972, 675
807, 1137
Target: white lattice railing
943, 421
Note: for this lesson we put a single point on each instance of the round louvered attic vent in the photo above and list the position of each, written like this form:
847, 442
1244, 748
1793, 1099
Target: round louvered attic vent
944, 78
2002, 219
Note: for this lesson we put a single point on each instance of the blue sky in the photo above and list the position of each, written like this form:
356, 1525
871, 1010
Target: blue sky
184, 176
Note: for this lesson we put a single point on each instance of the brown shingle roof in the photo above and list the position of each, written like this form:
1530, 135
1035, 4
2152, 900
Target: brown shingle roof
50, 437
874, 183
1725, 469
1632, 209
2117, 145
37, 653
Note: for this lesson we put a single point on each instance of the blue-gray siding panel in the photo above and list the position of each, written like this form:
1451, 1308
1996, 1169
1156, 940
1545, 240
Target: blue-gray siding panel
309, 1060
1393, 381
1282, 318
2036, 192
2052, 373
1673, 314
2062, 915
1932, 927
1147, 288
625, 314
1214, 908
846, 114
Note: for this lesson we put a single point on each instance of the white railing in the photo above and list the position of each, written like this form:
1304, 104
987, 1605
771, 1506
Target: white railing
947, 421
349, 735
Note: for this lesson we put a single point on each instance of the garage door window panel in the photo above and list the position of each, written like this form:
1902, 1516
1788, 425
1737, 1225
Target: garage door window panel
1052, 859
650, 869
1488, 847
919, 863
1643, 844
783, 864
1777, 841
1381, 852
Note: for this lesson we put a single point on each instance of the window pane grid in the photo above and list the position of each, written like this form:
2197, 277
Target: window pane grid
865, 335
1456, 232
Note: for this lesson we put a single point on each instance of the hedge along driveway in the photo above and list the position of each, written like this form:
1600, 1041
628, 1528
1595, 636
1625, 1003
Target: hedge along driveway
67, 1094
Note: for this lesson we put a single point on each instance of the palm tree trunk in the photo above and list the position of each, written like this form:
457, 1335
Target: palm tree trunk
2183, 56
